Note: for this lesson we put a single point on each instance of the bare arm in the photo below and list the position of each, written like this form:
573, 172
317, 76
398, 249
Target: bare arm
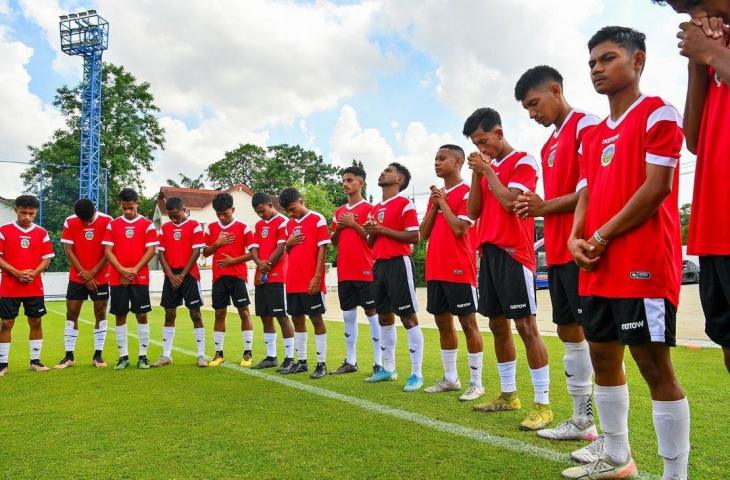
314, 284
165, 266
427, 223
276, 254
402, 236
148, 254
113, 261
6, 267
505, 196
579, 248
474, 203
697, 87
457, 225
194, 255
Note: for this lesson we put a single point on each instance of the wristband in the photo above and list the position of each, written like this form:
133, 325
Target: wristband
599, 239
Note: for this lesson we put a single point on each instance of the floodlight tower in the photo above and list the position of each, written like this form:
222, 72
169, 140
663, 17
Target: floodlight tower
87, 34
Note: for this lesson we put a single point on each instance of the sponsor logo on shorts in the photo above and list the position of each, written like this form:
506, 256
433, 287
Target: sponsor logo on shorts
640, 275
177, 235
368, 302
315, 306
129, 232
278, 310
462, 305
102, 294
41, 310
404, 307
145, 306
24, 242
632, 325
607, 154
194, 302
515, 307
89, 234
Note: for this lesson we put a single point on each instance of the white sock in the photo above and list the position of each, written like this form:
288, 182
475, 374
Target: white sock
200, 340
388, 341
448, 359
475, 368
35, 349
100, 336
671, 422
69, 336
270, 341
508, 376
300, 340
168, 335
289, 347
415, 348
613, 410
541, 384
349, 317
247, 340
375, 338
120, 332
320, 341
143, 332
218, 340
4, 352
579, 377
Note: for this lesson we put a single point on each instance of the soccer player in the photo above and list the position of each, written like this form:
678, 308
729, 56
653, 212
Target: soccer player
88, 277
129, 244
181, 241
228, 241
451, 272
507, 271
306, 245
355, 268
705, 41
269, 253
25, 252
392, 231
540, 90
626, 239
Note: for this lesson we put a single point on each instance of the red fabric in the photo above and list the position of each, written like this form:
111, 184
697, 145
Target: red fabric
23, 249
243, 241
269, 234
396, 213
303, 257
86, 241
354, 256
177, 241
129, 240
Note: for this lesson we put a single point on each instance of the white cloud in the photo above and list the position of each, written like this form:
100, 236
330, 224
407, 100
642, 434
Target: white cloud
45, 14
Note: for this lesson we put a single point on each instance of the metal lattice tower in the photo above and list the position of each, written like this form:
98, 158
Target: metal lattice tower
87, 34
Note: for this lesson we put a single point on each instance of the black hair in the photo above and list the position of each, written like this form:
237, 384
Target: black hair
173, 203
536, 77
403, 171
128, 195
84, 209
484, 118
625, 37
355, 170
222, 202
27, 201
454, 148
260, 198
289, 196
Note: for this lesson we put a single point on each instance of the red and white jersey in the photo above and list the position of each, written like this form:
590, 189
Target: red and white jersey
560, 176
645, 262
129, 240
268, 235
354, 256
238, 248
396, 213
24, 249
177, 241
86, 240
448, 258
500, 227
709, 230
303, 257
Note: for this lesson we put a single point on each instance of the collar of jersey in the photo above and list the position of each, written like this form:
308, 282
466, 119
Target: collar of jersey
557, 131
383, 202
347, 205
498, 163
274, 217
131, 221
28, 230
226, 227
449, 190
614, 124
182, 223
300, 220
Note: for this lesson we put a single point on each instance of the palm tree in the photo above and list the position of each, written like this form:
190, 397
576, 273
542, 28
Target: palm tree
187, 182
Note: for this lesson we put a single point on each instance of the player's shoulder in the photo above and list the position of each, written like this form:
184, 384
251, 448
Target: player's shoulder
585, 120
319, 218
659, 110
524, 158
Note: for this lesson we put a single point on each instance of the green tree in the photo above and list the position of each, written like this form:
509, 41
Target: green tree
237, 166
187, 182
684, 213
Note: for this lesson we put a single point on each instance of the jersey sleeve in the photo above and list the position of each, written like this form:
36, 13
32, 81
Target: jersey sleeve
108, 236
162, 246
585, 125
2, 244
333, 226
66, 236
198, 237
524, 176
249, 240
281, 234
664, 136
462, 211
208, 237
47, 247
151, 238
323, 234
410, 219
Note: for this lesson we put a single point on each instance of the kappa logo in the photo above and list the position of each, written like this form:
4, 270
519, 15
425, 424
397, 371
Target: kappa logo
24, 242
265, 232
607, 155
551, 158
381, 215
315, 306
462, 305
515, 307
632, 325
177, 235
129, 232
89, 234
404, 307
640, 275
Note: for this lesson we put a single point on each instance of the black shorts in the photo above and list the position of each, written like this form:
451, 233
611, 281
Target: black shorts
298, 304
563, 284
456, 298
189, 292
631, 321
78, 291
33, 307
715, 297
506, 287
355, 294
394, 286
132, 298
270, 300
227, 290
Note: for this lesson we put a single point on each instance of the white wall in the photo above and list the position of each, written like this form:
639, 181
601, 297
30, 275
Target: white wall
7, 214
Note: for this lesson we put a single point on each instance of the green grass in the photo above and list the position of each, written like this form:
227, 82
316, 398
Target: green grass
186, 422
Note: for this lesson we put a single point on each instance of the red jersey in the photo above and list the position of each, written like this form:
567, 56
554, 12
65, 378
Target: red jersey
396, 213
177, 241
268, 235
560, 176
500, 227
645, 262
449, 258
303, 257
129, 240
24, 250
709, 230
354, 256
238, 248
86, 239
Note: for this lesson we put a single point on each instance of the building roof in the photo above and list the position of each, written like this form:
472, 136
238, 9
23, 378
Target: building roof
7, 202
195, 198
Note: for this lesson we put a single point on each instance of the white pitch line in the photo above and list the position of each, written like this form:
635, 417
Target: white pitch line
422, 420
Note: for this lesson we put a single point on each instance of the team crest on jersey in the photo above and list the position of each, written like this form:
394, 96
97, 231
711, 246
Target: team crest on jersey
607, 154
89, 234
265, 232
177, 235
381, 215
24, 242
297, 230
551, 158
129, 232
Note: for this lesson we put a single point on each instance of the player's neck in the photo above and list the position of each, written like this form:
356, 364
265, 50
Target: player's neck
620, 101
506, 150
390, 191
565, 110
354, 198
452, 180
225, 224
